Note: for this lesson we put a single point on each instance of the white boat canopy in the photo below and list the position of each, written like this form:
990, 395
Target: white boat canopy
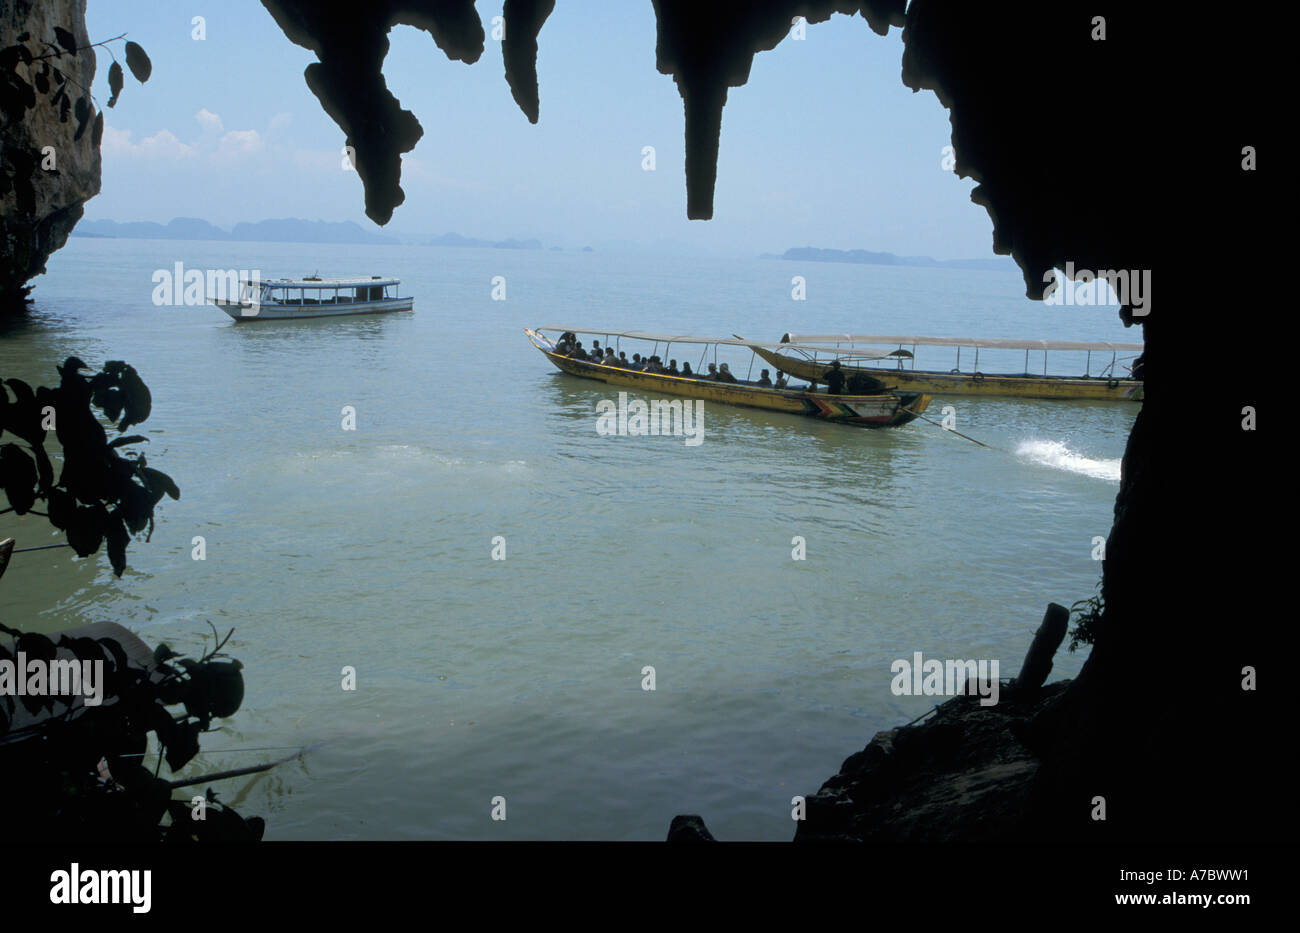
686, 338
313, 282
994, 343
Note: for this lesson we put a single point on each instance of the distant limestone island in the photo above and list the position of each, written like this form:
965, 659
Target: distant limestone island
285, 231
862, 256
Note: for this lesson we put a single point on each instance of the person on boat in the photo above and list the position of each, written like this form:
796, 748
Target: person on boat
579, 353
597, 353
835, 379
564, 345
672, 369
656, 365
765, 380
724, 374
686, 371
712, 373
622, 360
636, 361
781, 380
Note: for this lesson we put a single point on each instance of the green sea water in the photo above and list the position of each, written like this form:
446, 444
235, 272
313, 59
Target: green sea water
522, 678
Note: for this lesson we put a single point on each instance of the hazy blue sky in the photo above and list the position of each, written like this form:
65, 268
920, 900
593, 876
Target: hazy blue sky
823, 147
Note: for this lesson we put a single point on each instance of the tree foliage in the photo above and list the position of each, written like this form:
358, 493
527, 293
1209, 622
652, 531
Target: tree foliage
104, 492
36, 72
79, 771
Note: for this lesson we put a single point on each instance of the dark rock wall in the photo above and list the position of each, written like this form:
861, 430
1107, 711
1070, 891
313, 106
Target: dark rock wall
1122, 154
30, 236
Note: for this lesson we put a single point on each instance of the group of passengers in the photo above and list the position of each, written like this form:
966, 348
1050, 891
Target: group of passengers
569, 345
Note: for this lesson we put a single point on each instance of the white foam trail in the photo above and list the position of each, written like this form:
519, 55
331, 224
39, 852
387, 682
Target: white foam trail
1056, 455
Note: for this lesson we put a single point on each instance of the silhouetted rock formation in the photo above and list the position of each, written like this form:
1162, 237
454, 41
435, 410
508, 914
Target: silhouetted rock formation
350, 40
29, 233
960, 776
1116, 153
1101, 152
689, 827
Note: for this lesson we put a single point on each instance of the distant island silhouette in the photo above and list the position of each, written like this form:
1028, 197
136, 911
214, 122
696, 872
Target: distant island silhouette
286, 230
862, 256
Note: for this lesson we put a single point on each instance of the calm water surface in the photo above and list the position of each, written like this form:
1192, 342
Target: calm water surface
522, 677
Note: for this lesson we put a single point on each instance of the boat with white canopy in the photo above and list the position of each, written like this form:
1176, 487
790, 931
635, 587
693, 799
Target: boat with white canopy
809, 356
313, 297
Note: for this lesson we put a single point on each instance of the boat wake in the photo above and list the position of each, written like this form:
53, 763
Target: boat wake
1056, 455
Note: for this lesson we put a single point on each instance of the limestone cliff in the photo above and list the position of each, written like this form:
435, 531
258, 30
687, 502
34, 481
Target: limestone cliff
49, 139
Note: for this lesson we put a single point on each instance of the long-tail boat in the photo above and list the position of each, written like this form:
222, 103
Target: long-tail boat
880, 409
808, 356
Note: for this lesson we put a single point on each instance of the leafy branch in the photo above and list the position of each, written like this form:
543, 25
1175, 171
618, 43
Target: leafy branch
101, 496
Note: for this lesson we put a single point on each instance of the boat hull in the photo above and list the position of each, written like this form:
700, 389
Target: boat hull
869, 411
940, 383
278, 312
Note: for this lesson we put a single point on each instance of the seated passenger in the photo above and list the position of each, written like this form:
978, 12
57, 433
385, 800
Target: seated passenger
636, 362
781, 380
724, 374
654, 366
834, 379
686, 371
672, 368
579, 353
622, 360
596, 352
765, 380
712, 373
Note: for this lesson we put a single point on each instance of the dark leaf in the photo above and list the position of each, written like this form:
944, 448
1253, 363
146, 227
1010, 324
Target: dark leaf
18, 478
65, 39
138, 62
129, 439
85, 529
139, 403
114, 82
82, 111
61, 508
109, 399
183, 745
160, 482
44, 470
225, 686
116, 538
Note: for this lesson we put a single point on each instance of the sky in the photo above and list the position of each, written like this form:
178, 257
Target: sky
823, 147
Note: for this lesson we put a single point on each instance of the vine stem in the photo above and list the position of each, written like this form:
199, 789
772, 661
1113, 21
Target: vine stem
61, 52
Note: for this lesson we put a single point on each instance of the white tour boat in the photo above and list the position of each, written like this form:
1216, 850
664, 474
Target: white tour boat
312, 297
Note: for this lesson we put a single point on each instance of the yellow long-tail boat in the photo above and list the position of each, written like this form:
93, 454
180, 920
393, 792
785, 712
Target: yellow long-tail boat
878, 410
808, 356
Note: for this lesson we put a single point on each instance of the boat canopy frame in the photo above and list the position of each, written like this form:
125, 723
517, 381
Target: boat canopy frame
975, 343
